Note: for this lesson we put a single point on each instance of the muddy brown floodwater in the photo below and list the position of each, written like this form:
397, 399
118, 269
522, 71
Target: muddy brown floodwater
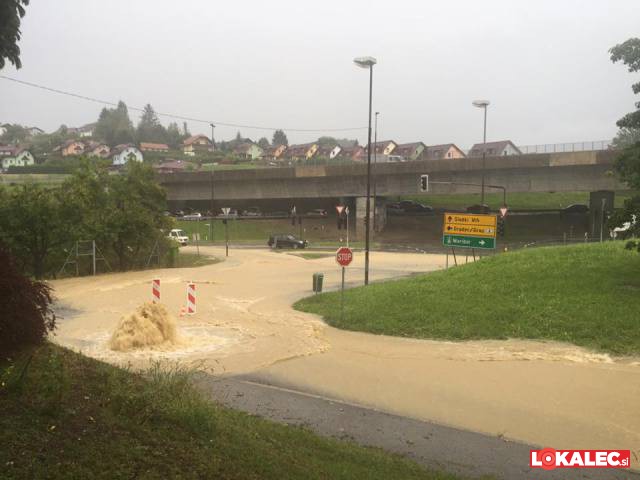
544, 393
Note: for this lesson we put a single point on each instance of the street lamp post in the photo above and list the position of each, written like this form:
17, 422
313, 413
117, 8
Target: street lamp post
367, 62
483, 104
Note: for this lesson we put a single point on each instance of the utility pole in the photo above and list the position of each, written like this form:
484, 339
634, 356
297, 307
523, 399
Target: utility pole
213, 142
375, 176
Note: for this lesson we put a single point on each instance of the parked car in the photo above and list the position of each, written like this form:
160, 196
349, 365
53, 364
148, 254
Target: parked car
252, 212
318, 212
576, 208
233, 213
286, 241
478, 209
179, 236
394, 209
193, 216
409, 207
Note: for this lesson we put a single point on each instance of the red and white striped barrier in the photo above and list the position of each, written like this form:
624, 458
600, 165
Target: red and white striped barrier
155, 289
191, 298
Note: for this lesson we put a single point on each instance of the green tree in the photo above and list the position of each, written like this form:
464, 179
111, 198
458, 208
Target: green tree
35, 222
279, 138
626, 137
327, 142
263, 143
122, 212
114, 126
174, 137
628, 162
11, 14
14, 134
149, 128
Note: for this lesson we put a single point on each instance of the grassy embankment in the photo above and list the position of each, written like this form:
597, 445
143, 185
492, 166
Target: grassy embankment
515, 201
69, 416
588, 295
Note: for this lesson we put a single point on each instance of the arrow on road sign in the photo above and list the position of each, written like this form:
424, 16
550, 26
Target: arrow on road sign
481, 242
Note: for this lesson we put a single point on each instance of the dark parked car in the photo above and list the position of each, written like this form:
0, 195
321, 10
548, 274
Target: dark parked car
409, 207
286, 241
479, 209
576, 208
318, 212
252, 212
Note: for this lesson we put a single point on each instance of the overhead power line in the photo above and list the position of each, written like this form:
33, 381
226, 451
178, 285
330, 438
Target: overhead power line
179, 117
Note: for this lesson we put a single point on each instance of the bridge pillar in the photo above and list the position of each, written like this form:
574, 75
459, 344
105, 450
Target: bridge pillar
378, 215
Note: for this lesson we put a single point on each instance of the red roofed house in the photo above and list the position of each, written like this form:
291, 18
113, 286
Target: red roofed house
355, 153
301, 152
409, 151
197, 143
274, 153
438, 152
154, 147
174, 166
329, 152
495, 149
15, 156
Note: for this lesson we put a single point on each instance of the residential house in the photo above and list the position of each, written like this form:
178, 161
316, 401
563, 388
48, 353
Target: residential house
154, 147
438, 152
409, 151
96, 149
248, 151
355, 153
329, 151
86, 130
174, 166
33, 131
382, 150
495, 149
197, 143
301, 152
15, 156
72, 147
121, 154
274, 153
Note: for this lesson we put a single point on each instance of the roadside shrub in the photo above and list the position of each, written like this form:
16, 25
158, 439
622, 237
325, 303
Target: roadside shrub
26, 316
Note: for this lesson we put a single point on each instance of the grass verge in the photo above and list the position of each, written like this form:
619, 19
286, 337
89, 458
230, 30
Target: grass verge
189, 260
588, 295
65, 416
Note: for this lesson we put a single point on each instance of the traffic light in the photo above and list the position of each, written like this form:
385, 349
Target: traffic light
424, 183
501, 226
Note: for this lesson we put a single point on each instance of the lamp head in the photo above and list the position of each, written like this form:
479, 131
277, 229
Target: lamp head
481, 103
365, 62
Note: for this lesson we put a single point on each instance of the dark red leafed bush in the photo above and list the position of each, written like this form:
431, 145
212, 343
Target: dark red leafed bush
26, 316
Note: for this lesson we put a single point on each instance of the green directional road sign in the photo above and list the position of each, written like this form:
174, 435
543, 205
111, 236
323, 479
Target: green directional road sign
461, 241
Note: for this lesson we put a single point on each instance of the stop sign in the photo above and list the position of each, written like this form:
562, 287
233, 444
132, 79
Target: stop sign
344, 256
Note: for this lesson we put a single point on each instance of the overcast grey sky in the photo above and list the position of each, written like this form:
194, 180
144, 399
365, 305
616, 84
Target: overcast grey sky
543, 64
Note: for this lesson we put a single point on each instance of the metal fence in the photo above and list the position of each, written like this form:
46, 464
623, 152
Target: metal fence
587, 146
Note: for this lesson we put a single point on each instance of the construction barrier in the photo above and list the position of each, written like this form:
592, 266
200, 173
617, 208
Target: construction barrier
156, 290
191, 298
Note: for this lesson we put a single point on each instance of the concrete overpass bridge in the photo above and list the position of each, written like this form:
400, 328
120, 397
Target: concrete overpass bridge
578, 171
